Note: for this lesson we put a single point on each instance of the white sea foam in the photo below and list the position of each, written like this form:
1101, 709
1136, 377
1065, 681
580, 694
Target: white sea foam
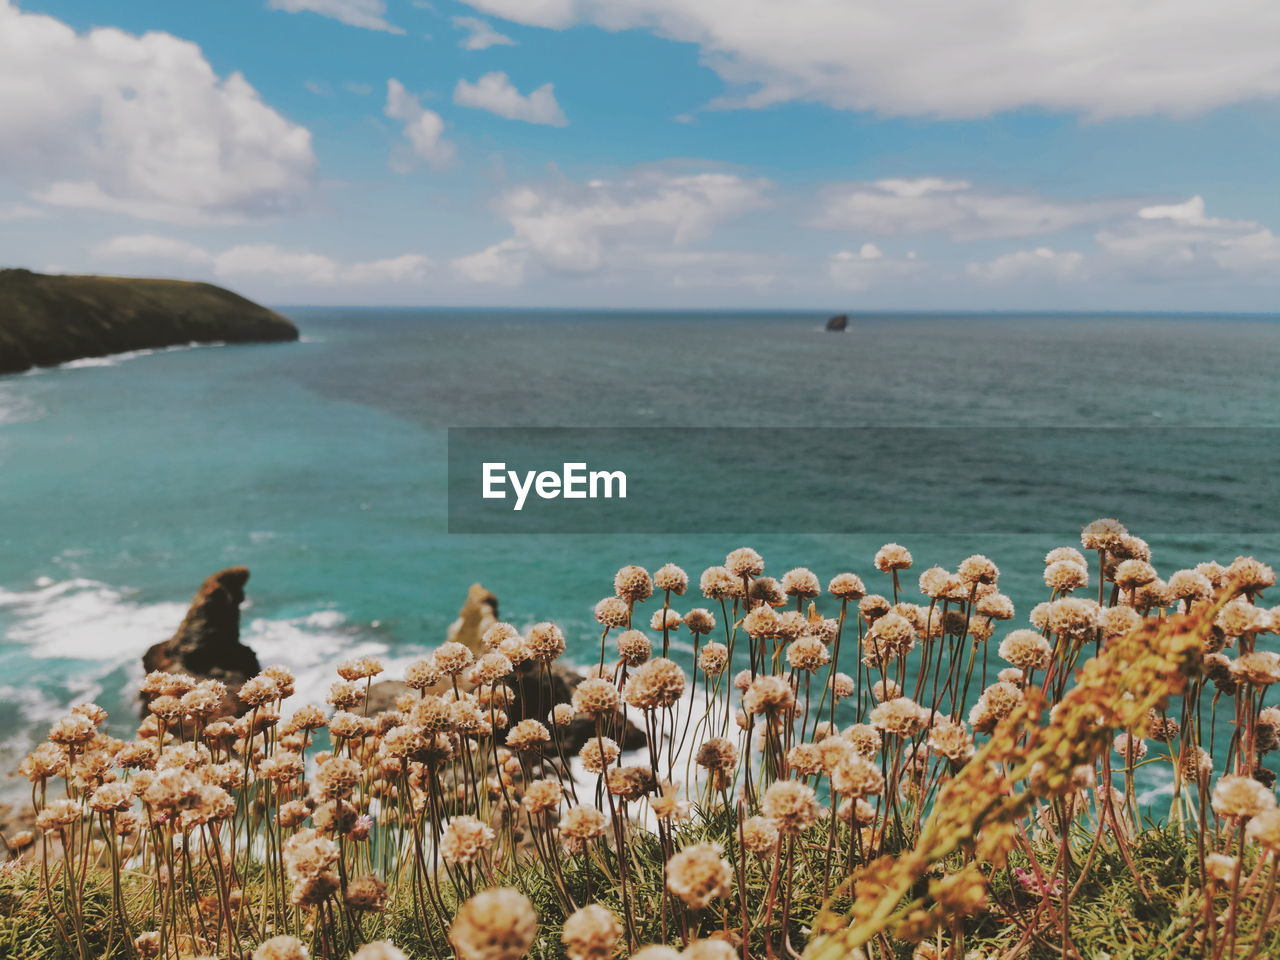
18, 408
115, 359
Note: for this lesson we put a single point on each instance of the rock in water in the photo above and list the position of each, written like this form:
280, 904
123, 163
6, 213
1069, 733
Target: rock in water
46, 320
207, 643
838, 322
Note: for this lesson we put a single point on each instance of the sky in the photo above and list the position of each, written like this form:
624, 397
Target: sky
816, 154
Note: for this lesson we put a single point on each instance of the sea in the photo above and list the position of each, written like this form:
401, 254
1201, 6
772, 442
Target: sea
322, 466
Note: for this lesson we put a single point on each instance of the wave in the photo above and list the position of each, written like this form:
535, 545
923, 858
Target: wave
115, 359
17, 408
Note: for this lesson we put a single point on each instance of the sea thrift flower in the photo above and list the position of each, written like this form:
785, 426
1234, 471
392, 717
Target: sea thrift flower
717, 583
713, 658
591, 933
671, 579
1264, 830
658, 683
699, 874
582, 823
379, 950
1026, 650
700, 621
1104, 534
612, 612
598, 753
769, 695
277, 948
759, 834
847, 586
595, 697
801, 583
1241, 797
791, 805
744, 562
464, 839
528, 735
892, 556
498, 924
633, 584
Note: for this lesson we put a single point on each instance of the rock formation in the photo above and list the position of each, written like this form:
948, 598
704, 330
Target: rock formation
46, 320
838, 322
207, 643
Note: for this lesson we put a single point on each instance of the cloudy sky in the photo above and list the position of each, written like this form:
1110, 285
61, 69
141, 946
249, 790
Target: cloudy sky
841, 154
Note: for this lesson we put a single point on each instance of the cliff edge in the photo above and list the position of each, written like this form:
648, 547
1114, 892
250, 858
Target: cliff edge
46, 319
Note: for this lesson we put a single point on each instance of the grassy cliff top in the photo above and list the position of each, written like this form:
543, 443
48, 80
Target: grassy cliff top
47, 319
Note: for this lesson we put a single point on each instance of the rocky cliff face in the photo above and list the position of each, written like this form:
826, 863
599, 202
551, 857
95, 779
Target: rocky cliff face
207, 643
46, 320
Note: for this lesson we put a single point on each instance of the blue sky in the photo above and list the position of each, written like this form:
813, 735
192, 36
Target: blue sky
837, 154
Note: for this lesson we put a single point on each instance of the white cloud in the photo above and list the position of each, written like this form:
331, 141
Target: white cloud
19, 211
602, 226
480, 35
423, 129
954, 207
263, 261
140, 125
868, 267
369, 14
1042, 263
150, 246
1103, 58
1181, 242
495, 92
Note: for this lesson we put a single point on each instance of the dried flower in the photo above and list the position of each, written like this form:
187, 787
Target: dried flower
498, 924
699, 874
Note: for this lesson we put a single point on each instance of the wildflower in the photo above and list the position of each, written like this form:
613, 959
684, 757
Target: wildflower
1219, 866
498, 924
1131, 574
379, 950
656, 951
717, 583
978, 569
901, 715
1067, 554
367, 893
595, 697
111, 798
770, 695
148, 945
717, 754
886, 689
713, 658
890, 637
1118, 621
699, 874
57, 815
582, 823
612, 612
1260, 668
598, 753
856, 776
490, 668
1103, 534
808, 653
452, 658
892, 556
562, 714
744, 562
658, 683
950, 739
804, 759
528, 735
591, 933
1063, 576
633, 584
842, 686
759, 834
864, 738
422, 674
344, 695
308, 854
792, 805
543, 796
634, 648
75, 729
1132, 748
666, 619
1241, 797
630, 783
337, 777
464, 839
668, 805
1026, 650
847, 586
1264, 829
1249, 575
761, 622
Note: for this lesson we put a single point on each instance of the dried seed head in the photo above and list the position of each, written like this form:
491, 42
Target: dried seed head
591, 933
671, 579
633, 584
498, 924
699, 874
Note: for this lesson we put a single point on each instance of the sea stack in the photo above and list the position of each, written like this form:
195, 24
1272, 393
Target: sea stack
47, 320
207, 643
838, 322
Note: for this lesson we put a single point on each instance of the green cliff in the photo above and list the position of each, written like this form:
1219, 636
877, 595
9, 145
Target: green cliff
46, 319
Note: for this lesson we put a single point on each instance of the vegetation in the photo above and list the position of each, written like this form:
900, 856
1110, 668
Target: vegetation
46, 320
785, 809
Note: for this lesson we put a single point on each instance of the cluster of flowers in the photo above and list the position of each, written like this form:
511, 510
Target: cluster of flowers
768, 768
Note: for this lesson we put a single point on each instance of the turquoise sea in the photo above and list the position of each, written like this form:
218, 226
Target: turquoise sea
125, 481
